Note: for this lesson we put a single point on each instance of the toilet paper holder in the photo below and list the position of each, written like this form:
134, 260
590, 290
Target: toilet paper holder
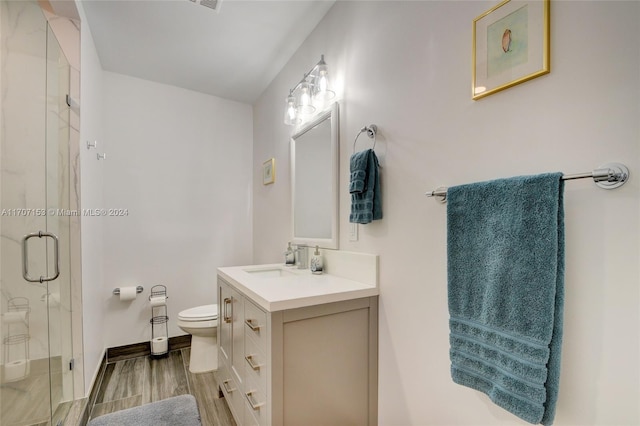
159, 319
139, 289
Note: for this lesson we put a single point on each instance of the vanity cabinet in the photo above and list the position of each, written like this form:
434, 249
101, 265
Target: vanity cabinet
231, 345
303, 366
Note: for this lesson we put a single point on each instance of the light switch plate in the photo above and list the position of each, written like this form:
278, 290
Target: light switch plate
353, 231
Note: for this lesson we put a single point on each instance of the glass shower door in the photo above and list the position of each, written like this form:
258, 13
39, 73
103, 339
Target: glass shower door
58, 295
36, 385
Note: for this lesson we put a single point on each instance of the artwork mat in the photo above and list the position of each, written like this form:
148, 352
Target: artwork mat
269, 171
538, 47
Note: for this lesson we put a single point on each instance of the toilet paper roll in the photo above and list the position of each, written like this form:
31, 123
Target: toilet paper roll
15, 317
159, 345
16, 370
128, 293
158, 300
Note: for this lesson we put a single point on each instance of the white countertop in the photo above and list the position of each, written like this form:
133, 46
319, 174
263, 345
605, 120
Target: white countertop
296, 289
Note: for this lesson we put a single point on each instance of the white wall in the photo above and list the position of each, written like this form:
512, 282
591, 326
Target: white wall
405, 66
180, 163
91, 191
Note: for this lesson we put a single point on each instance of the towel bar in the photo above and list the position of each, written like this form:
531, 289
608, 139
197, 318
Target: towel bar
371, 131
608, 176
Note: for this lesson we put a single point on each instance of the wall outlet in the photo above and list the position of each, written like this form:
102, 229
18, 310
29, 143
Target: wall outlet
353, 231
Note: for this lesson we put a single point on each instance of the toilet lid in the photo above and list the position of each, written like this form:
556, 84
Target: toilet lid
200, 313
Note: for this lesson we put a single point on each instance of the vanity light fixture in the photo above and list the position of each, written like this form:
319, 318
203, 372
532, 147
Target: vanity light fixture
291, 117
305, 101
310, 94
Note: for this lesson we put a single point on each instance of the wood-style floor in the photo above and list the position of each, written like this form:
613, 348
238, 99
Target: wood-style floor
132, 382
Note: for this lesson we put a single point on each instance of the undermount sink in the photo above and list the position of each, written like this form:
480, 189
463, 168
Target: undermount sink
271, 272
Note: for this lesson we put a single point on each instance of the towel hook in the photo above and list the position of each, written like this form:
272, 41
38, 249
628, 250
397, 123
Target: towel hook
371, 131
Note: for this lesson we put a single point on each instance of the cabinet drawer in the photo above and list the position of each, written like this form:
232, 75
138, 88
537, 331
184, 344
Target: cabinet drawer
255, 324
256, 363
233, 395
255, 402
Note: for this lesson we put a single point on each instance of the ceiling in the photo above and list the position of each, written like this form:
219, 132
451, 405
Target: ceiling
234, 53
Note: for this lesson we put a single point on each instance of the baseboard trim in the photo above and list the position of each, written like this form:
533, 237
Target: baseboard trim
135, 350
93, 391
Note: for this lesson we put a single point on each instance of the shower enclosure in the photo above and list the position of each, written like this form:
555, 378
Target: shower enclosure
36, 221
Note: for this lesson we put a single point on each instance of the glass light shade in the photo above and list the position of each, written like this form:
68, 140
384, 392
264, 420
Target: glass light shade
291, 114
305, 105
321, 85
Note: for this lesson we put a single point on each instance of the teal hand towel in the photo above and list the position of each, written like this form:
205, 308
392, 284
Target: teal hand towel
358, 163
505, 265
364, 186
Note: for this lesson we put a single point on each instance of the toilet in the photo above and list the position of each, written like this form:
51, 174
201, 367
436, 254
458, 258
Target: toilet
201, 322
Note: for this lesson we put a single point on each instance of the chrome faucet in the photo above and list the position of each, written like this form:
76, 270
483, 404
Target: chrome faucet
301, 256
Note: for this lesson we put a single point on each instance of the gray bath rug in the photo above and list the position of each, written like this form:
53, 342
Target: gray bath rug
177, 411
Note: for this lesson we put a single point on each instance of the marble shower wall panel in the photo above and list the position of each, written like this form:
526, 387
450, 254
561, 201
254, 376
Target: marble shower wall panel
22, 168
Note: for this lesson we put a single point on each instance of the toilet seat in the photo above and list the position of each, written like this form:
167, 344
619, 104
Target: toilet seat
200, 313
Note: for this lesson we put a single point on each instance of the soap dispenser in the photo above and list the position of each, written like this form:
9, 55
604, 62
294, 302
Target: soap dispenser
316, 262
289, 256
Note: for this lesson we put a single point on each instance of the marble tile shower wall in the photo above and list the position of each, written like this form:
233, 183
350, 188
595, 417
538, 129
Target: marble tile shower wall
23, 157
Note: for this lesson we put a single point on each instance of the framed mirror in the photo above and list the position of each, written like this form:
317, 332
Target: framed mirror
314, 181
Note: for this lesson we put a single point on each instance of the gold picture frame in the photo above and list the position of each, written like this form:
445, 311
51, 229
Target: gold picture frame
510, 45
269, 171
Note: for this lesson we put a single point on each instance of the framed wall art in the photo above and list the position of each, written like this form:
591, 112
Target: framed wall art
269, 171
510, 45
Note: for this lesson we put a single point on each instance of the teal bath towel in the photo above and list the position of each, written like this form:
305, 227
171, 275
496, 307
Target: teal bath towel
364, 186
505, 265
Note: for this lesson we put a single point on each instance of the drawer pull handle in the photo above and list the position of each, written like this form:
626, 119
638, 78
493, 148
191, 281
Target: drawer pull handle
249, 359
252, 403
226, 316
253, 327
224, 384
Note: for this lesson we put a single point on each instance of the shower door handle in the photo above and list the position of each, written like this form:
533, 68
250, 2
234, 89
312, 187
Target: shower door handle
25, 257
